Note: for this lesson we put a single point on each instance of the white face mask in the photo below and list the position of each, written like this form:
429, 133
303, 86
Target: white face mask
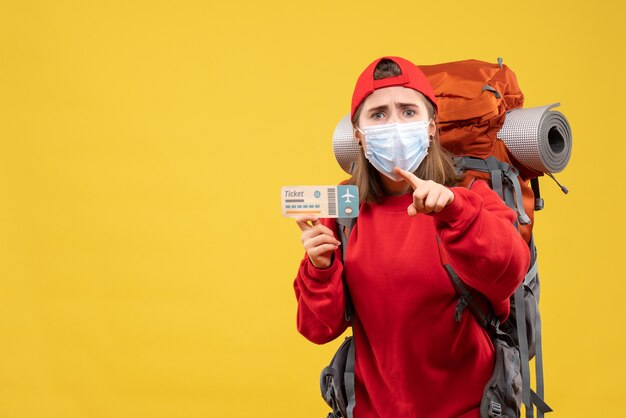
403, 145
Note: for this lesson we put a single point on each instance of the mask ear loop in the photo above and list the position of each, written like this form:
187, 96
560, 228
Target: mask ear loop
431, 137
358, 141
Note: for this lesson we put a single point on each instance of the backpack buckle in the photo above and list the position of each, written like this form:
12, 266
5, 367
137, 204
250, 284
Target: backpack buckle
460, 306
539, 204
495, 409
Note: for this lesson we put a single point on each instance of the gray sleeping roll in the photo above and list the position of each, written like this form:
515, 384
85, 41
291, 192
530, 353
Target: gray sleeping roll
538, 138
344, 145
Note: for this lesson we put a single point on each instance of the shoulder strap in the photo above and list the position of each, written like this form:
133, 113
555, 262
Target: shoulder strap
349, 382
504, 181
344, 228
468, 299
529, 396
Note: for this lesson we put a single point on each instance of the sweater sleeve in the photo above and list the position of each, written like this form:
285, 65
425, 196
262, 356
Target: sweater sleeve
320, 295
485, 249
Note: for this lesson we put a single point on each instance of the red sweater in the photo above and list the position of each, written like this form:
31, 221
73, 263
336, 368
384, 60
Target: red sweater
412, 358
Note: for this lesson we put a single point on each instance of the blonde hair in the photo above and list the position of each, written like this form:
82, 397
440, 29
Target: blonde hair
437, 166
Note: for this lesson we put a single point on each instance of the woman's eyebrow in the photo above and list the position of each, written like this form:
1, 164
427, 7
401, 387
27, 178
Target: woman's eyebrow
378, 108
383, 108
403, 105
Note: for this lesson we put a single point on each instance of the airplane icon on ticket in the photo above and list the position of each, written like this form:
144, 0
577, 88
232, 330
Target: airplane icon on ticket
347, 196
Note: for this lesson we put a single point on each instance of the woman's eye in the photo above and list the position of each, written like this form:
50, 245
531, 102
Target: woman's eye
409, 113
378, 115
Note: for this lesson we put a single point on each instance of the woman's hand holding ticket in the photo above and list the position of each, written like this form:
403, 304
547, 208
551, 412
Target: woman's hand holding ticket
318, 241
428, 196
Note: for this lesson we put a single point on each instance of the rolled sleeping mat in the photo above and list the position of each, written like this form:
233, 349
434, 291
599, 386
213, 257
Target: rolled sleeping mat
538, 138
344, 145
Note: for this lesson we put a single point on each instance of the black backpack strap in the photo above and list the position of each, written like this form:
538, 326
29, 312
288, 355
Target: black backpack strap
520, 318
468, 299
344, 228
542, 406
537, 398
348, 378
534, 185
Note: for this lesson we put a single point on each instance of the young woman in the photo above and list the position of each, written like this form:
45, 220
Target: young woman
412, 359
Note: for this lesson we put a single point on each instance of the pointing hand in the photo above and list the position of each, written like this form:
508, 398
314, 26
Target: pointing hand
428, 196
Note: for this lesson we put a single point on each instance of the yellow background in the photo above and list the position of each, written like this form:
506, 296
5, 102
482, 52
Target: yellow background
145, 269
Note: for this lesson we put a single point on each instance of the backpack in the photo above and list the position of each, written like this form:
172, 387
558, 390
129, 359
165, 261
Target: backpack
476, 101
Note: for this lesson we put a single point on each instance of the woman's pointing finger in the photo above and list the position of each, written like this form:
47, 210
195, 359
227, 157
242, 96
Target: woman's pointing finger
409, 177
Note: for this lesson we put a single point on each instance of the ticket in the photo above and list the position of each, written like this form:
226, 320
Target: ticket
320, 201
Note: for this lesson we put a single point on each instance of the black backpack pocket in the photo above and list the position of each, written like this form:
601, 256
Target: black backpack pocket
337, 381
503, 393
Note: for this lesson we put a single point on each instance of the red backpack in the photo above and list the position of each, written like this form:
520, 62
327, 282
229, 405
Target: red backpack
473, 98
